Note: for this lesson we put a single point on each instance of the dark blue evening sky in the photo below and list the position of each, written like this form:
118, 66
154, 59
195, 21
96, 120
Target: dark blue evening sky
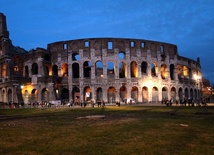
187, 23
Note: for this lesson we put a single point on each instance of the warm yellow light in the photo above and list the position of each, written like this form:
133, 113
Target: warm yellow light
196, 77
27, 88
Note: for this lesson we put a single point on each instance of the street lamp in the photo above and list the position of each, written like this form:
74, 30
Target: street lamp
197, 79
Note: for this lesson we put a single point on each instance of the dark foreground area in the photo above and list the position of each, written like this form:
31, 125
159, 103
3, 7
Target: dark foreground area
148, 130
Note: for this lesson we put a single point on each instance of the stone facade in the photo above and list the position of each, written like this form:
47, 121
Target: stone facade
109, 69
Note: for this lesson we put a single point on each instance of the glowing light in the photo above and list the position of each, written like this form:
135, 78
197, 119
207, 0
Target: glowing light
196, 77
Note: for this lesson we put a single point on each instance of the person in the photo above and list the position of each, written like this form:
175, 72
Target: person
176, 101
103, 103
170, 102
85, 103
92, 103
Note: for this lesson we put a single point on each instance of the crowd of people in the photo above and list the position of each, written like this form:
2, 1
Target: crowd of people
100, 103
186, 102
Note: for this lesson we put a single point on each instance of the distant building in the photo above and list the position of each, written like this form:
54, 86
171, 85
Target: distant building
110, 69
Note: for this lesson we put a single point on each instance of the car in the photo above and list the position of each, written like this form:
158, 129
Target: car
130, 101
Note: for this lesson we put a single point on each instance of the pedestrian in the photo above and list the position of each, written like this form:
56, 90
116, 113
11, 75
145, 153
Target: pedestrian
103, 103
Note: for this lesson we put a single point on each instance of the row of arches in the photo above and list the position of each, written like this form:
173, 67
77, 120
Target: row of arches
144, 68
112, 94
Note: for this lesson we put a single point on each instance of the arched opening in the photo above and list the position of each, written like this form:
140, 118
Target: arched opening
111, 95
75, 57
163, 71
64, 69
45, 95
173, 93
9, 95
75, 70
26, 97
48, 70
172, 68
121, 55
191, 93
34, 69
99, 69
134, 93
144, 68
99, 94
87, 69
57, 85
195, 94
190, 73
18, 65
34, 95
179, 71
3, 95
3, 70
186, 93
55, 70
164, 93
87, 94
185, 71
134, 69
65, 95
47, 57
155, 94
180, 94
110, 69
154, 69
122, 70
26, 71
76, 95
123, 93
145, 96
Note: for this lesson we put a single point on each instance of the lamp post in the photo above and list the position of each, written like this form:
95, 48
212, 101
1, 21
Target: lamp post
197, 79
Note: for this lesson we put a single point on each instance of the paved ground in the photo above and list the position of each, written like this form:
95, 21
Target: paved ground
152, 104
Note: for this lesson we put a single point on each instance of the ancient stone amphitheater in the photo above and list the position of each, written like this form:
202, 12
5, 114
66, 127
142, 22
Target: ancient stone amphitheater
108, 69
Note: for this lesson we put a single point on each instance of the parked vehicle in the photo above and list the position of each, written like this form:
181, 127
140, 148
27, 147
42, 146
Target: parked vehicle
130, 101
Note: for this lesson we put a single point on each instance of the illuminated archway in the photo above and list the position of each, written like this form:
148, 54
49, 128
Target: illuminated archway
134, 93
123, 93
144, 94
134, 69
87, 94
34, 95
163, 71
164, 93
64, 69
173, 93
111, 95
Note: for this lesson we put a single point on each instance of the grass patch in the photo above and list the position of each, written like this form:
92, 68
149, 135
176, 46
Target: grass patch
124, 130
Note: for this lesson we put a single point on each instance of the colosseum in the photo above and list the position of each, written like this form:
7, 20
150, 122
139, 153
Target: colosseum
108, 69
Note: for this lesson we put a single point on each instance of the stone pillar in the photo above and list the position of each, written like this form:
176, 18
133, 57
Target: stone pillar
105, 89
81, 88
93, 97
92, 52
140, 94
149, 63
